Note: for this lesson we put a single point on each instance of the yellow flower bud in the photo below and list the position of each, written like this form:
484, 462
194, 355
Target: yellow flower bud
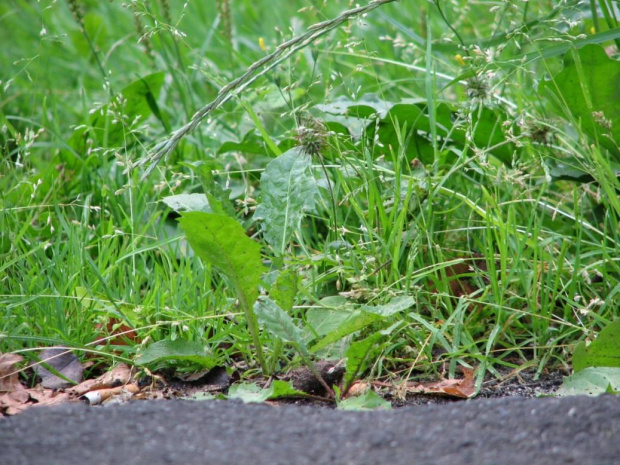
460, 60
261, 44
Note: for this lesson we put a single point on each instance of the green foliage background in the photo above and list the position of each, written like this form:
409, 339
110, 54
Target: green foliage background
459, 156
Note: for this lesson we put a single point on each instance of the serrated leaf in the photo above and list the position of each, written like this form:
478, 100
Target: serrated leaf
396, 305
357, 321
277, 322
251, 393
187, 203
288, 189
221, 241
356, 356
325, 320
178, 350
604, 351
334, 310
284, 290
217, 196
592, 381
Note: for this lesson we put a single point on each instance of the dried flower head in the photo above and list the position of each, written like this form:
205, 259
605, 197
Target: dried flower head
539, 132
311, 135
478, 88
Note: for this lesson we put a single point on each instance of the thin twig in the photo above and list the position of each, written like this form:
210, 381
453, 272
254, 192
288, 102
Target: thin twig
267, 63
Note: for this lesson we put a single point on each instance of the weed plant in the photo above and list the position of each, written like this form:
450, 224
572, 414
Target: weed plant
447, 170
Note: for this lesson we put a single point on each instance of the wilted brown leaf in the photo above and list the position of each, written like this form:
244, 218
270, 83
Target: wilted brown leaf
118, 333
42, 396
19, 400
118, 376
14, 402
358, 388
9, 376
462, 388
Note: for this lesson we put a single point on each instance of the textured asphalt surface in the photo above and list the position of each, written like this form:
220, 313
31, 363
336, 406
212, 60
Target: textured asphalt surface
511, 431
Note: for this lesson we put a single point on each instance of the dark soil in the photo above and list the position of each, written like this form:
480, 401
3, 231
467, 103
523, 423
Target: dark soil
524, 383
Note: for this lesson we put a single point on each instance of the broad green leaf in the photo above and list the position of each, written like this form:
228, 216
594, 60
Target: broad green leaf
340, 322
356, 356
110, 123
221, 242
284, 290
357, 321
325, 320
589, 84
413, 114
217, 196
277, 322
367, 401
251, 143
334, 302
178, 350
188, 203
604, 351
563, 47
136, 104
331, 313
396, 305
569, 169
592, 381
251, 393
369, 105
288, 189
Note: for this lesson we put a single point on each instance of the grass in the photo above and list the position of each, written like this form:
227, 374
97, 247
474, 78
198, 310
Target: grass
445, 159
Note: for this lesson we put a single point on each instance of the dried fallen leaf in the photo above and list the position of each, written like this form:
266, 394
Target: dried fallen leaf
118, 333
14, 402
357, 389
17, 401
9, 374
19, 398
13, 395
461, 388
43, 396
118, 376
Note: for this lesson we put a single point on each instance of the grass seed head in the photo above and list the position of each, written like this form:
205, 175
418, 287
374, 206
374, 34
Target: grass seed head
77, 11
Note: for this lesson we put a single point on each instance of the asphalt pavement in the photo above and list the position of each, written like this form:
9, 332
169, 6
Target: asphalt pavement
513, 431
